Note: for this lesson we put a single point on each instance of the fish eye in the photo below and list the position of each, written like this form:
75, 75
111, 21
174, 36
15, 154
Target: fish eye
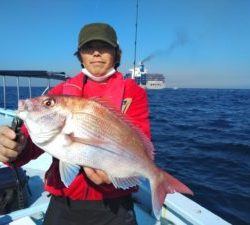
49, 102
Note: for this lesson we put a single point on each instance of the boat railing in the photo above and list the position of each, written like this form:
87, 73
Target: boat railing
29, 74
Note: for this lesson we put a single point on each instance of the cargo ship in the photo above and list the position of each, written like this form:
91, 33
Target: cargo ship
146, 80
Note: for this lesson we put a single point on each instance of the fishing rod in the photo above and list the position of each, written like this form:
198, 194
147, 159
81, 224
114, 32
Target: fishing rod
136, 24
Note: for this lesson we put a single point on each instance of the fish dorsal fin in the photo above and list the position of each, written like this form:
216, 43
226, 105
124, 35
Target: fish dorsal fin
149, 147
124, 183
68, 172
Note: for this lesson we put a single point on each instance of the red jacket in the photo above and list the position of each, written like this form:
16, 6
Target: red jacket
123, 94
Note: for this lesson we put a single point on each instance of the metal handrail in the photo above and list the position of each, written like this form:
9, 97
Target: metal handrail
34, 73
30, 74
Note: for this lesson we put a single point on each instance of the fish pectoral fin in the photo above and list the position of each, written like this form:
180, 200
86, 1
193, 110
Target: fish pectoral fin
125, 183
69, 128
68, 172
87, 141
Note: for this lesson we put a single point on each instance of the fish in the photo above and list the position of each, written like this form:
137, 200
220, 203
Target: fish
89, 132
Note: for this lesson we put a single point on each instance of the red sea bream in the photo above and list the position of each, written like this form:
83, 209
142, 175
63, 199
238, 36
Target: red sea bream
89, 132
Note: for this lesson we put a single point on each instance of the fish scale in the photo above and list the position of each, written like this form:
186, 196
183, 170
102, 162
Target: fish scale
109, 133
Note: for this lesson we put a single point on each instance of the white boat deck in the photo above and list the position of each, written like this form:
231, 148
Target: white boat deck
6, 116
38, 200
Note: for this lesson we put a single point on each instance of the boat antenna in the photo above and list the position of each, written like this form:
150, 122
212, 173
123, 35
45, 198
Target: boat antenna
136, 23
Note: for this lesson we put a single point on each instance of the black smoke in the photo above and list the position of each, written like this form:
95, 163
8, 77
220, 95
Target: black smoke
180, 40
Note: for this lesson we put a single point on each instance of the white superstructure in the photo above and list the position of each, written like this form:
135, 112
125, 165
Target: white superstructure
147, 80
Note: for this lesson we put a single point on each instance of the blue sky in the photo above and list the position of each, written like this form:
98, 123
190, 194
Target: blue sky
195, 43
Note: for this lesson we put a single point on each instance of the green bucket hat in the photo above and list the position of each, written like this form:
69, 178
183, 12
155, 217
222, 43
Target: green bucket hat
97, 31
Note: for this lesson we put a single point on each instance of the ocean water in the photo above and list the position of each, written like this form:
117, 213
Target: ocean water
201, 136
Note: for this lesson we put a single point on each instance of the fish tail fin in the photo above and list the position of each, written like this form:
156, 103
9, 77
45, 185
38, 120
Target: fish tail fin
161, 185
